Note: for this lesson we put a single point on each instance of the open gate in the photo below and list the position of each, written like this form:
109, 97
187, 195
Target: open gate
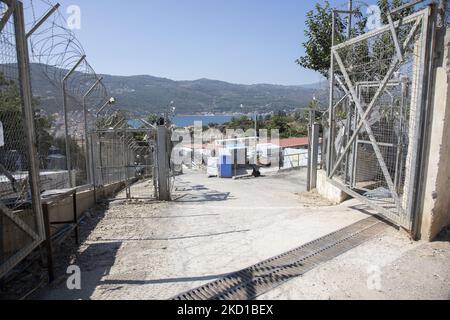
377, 100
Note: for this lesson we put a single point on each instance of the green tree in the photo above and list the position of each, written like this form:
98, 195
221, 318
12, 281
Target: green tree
318, 34
386, 6
45, 139
13, 126
242, 122
383, 48
77, 155
152, 118
11, 116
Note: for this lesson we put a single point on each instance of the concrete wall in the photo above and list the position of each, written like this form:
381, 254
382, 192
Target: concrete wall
12, 238
328, 190
436, 198
63, 211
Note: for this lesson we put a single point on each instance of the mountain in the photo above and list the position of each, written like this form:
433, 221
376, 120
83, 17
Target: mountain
144, 94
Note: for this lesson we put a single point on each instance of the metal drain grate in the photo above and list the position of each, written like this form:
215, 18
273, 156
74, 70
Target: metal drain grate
252, 282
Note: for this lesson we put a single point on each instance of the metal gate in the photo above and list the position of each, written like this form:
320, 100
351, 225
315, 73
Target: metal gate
21, 219
377, 99
124, 156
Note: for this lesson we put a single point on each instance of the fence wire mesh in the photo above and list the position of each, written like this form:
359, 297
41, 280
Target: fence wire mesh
377, 105
124, 155
20, 225
54, 50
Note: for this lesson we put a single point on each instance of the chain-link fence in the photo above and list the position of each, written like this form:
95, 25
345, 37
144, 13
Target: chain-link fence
68, 92
124, 155
50, 100
376, 108
21, 221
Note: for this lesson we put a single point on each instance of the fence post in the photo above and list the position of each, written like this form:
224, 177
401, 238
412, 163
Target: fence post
66, 120
314, 156
434, 49
28, 112
308, 173
163, 164
93, 167
330, 160
313, 149
86, 130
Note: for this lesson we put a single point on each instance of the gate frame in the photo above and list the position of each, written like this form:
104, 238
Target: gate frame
406, 216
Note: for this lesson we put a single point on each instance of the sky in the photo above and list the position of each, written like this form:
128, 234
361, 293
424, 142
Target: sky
238, 41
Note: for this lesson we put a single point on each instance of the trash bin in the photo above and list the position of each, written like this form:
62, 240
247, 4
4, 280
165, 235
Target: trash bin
225, 166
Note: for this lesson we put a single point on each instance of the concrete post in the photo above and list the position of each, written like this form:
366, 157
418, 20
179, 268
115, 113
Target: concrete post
163, 164
435, 214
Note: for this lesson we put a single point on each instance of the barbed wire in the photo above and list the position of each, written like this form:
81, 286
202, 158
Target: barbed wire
55, 49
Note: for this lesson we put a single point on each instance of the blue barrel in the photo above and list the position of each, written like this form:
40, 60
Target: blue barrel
225, 167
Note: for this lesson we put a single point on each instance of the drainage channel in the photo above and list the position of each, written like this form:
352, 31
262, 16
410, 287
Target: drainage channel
259, 279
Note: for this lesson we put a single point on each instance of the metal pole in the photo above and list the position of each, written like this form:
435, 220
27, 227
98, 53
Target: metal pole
163, 164
6, 17
28, 113
308, 174
107, 103
66, 122
256, 139
331, 110
399, 154
125, 162
256, 124
354, 156
43, 19
86, 135
349, 114
93, 168
350, 9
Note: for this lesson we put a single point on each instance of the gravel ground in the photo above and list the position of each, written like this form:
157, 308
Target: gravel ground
148, 250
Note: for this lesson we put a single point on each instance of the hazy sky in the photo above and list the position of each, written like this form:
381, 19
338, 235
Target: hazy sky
240, 41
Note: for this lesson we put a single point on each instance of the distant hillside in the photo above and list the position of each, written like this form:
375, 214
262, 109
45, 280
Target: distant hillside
146, 94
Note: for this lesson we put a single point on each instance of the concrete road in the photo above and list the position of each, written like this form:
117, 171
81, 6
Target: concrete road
145, 250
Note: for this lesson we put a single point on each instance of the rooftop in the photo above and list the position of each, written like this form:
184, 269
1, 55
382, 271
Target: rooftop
294, 142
